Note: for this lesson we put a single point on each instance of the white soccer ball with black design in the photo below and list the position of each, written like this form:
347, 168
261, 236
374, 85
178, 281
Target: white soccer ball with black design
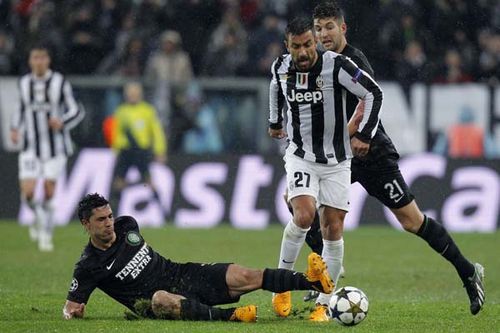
348, 306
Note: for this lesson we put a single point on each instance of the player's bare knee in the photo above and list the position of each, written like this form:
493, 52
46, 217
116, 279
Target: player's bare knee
166, 305
252, 277
241, 279
29, 196
304, 217
50, 188
407, 222
409, 225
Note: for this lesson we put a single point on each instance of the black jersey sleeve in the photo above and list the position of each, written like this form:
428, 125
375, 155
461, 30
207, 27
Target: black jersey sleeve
360, 59
361, 84
126, 223
82, 285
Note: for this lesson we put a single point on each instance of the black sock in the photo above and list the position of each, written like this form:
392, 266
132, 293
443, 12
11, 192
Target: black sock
194, 310
440, 240
314, 237
280, 280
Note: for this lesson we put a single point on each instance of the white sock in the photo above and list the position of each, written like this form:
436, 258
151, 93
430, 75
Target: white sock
291, 243
33, 229
333, 255
48, 208
40, 217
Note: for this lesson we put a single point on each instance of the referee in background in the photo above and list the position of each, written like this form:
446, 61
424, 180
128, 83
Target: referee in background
42, 124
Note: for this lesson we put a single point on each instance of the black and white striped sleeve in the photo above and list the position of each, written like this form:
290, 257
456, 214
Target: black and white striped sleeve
18, 116
72, 114
276, 97
362, 85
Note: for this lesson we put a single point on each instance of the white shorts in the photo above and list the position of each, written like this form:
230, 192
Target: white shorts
327, 184
31, 167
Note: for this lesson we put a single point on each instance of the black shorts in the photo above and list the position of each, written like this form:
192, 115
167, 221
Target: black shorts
203, 282
139, 158
382, 179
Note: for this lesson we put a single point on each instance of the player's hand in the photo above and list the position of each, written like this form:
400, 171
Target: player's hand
55, 123
14, 136
73, 310
277, 133
356, 118
359, 148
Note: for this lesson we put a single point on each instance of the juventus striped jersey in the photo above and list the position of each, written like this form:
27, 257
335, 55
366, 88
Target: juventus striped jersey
316, 102
42, 98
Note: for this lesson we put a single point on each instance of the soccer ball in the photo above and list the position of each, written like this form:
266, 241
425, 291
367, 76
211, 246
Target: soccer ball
348, 306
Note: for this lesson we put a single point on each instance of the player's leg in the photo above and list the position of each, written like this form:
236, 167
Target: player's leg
333, 254
314, 240
433, 232
144, 169
390, 188
29, 171
122, 164
414, 221
51, 170
27, 187
313, 237
241, 280
205, 285
294, 235
166, 305
302, 192
202, 286
47, 224
334, 198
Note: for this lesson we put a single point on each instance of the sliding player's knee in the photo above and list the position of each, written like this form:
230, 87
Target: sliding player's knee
244, 279
251, 278
166, 305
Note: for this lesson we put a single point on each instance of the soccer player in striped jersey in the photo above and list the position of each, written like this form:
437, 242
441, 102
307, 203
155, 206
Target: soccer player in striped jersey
313, 84
378, 171
42, 124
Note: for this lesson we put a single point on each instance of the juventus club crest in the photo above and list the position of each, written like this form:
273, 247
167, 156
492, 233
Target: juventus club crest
319, 82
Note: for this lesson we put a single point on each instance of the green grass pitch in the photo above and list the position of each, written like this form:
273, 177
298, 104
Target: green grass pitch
410, 288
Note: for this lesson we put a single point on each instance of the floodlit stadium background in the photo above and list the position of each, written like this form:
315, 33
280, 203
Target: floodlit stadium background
436, 60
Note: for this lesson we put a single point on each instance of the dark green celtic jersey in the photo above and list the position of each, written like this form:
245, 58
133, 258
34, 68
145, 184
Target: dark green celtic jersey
129, 270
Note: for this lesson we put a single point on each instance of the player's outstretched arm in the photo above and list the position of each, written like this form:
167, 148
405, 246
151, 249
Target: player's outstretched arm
73, 309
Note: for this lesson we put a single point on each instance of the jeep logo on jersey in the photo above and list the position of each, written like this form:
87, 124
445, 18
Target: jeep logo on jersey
133, 238
305, 97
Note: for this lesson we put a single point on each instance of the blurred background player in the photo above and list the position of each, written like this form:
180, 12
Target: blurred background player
139, 137
378, 172
319, 152
47, 112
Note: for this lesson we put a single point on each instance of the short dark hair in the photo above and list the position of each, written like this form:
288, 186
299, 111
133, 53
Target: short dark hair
88, 203
40, 46
328, 9
299, 25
